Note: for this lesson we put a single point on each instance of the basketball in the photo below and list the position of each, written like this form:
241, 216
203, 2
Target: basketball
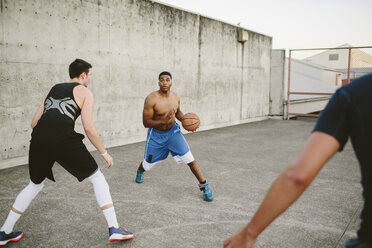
190, 122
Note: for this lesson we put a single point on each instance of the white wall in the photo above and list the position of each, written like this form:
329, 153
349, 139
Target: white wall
306, 77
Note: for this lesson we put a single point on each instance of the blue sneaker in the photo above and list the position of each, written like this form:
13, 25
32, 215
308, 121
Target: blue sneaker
352, 243
11, 237
207, 191
356, 243
140, 176
119, 234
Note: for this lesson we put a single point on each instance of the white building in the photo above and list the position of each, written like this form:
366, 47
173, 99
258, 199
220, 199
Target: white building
360, 62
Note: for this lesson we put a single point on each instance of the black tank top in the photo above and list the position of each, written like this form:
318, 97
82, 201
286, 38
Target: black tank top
57, 123
60, 105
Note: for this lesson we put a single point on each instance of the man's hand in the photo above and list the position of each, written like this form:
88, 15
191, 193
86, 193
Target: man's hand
108, 159
240, 240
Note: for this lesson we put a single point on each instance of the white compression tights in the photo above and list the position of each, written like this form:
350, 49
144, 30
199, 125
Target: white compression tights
101, 188
25, 197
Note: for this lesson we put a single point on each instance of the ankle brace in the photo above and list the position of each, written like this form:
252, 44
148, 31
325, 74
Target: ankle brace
203, 185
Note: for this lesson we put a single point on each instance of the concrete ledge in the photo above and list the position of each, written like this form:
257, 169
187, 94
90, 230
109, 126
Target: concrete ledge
306, 106
13, 162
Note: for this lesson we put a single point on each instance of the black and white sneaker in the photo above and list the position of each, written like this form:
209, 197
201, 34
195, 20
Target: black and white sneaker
6, 238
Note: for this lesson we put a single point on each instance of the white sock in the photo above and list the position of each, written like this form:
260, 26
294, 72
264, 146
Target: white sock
10, 222
110, 216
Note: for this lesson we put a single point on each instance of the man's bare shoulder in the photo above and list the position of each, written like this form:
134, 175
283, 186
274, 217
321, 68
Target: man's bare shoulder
83, 95
175, 95
82, 91
152, 96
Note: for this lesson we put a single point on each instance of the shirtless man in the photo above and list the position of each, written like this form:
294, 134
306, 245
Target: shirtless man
54, 139
160, 111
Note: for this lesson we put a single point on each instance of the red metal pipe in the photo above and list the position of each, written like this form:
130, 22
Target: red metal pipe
289, 83
306, 115
330, 48
348, 66
311, 93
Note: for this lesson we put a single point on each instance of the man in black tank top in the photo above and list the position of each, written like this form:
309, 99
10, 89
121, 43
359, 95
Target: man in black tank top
54, 139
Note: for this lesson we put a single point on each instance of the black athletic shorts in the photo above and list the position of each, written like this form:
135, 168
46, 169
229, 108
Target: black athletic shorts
70, 153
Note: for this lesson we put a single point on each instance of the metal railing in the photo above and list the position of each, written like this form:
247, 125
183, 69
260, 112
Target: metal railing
347, 69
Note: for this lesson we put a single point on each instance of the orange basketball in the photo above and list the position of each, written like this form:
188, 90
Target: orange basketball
190, 122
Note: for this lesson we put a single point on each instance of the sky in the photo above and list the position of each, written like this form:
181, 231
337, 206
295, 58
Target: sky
293, 24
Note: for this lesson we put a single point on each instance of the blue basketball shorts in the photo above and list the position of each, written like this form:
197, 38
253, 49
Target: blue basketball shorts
160, 143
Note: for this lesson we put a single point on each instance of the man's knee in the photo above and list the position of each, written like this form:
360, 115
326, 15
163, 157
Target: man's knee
187, 158
192, 164
25, 197
98, 178
146, 165
101, 188
35, 188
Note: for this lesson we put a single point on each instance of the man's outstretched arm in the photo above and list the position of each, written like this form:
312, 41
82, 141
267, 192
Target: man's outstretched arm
90, 129
287, 188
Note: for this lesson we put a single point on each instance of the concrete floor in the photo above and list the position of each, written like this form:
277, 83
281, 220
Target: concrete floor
167, 210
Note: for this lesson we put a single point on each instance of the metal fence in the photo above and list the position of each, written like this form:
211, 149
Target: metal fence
315, 74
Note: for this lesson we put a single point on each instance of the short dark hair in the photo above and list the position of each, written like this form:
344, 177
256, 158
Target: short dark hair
77, 67
165, 73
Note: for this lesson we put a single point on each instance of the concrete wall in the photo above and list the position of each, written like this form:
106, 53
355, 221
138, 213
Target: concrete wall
277, 82
129, 42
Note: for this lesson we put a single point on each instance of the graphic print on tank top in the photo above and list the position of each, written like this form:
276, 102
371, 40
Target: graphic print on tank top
66, 106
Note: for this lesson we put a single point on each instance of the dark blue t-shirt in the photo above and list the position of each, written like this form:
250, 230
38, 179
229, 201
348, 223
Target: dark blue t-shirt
349, 114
